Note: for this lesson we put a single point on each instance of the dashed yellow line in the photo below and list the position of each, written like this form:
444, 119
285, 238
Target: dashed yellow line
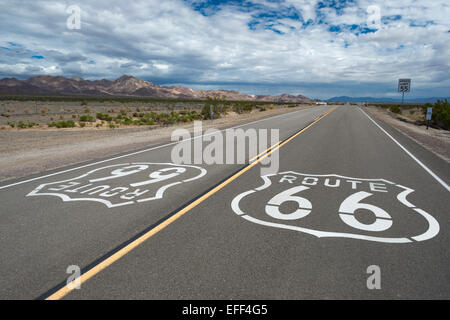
122, 252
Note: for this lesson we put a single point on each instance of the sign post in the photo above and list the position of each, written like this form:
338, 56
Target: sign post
429, 114
404, 85
211, 112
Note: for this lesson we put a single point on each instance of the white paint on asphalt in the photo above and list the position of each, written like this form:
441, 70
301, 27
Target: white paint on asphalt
121, 184
143, 151
435, 176
382, 193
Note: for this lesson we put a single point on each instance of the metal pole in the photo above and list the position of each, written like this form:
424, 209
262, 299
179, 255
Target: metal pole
403, 96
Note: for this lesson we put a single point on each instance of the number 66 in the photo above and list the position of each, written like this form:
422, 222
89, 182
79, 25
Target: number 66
347, 209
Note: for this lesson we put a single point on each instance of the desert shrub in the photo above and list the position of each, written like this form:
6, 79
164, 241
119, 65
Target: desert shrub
127, 121
195, 115
242, 107
441, 113
82, 124
62, 124
87, 118
11, 124
169, 121
187, 118
104, 116
112, 125
74, 116
395, 109
24, 125
219, 107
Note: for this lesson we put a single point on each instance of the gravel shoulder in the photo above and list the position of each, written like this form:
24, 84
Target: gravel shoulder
435, 140
32, 151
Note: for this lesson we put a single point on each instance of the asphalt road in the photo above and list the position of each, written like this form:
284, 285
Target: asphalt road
350, 193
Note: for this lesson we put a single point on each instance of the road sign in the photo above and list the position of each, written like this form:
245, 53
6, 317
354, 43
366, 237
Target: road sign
429, 113
404, 85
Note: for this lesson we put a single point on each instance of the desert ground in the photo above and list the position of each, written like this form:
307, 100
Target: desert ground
411, 123
34, 150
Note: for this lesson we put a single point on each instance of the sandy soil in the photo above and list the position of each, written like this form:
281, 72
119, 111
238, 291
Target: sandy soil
30, 151
437, 141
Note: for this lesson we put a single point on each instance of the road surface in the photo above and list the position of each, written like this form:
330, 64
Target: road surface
351, 196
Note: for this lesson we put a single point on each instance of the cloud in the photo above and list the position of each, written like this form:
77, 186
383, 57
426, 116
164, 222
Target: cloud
253, 44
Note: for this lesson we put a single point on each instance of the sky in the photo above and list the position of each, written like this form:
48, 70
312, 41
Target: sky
320, 49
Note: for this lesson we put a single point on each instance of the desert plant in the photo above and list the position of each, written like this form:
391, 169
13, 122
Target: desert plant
104, 116
441, 113
395, 109
62, 124
87, 118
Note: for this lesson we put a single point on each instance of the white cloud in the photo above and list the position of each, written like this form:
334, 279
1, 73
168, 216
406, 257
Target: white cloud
169, 41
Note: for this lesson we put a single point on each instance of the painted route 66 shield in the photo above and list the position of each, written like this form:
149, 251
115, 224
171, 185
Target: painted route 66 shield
122, 184
337, 206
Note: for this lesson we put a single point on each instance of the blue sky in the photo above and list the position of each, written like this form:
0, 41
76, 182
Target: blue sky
315, 48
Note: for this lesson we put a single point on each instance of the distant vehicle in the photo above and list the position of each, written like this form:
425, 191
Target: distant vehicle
321, 103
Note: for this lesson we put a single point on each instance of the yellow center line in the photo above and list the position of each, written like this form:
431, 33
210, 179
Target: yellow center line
61, 293
257, 156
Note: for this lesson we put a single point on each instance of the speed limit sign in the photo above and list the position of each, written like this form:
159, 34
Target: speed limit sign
404, 85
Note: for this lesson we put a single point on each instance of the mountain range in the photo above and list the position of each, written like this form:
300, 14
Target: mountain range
372, 99
125, 86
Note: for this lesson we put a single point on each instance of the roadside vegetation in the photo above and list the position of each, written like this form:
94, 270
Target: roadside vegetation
441, 113
117, 112
440, 117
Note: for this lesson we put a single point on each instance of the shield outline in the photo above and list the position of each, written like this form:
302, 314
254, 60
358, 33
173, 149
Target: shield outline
433, 225
158, 195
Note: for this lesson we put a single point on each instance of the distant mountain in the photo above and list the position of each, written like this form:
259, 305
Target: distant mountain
372, 99
125, 86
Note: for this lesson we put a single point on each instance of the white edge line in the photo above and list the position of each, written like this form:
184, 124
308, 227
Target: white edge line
442, 182
142, 151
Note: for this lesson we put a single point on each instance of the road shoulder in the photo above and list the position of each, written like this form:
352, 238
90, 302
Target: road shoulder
434, 140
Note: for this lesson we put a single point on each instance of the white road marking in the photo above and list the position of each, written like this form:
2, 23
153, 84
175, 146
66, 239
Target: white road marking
143, 151
442, 182
64, 187
346, 210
